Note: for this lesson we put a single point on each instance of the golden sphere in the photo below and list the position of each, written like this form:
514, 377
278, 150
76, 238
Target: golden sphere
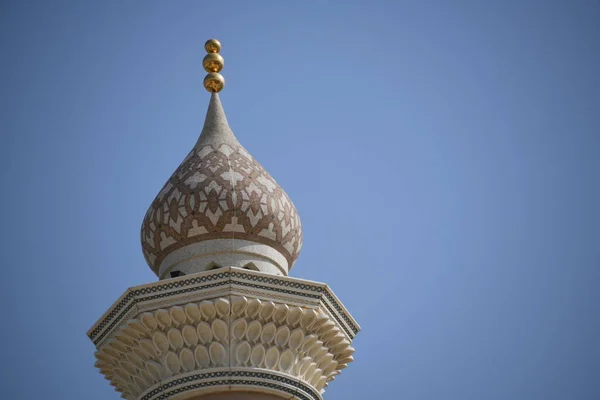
212, 46
214, 82
213, 62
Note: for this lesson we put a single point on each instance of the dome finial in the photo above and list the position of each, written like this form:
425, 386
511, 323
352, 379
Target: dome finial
213, 64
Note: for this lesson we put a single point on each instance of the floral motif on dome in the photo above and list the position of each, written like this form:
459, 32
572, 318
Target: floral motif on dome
220, 192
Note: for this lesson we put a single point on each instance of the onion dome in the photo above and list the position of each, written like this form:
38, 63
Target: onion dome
220, 208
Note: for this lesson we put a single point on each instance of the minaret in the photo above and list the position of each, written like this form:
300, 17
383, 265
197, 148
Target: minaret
224, 321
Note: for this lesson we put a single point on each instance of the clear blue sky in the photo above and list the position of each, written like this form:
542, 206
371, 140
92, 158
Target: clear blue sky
444, 158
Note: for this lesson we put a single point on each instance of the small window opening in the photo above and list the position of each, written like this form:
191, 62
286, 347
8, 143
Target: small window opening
251, 267
212, 266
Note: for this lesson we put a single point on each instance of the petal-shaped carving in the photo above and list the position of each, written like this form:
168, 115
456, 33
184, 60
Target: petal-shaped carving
153, 372
218, 354
108, 349
253, 308
119, 346
202, 357
281, 312
266, 311
130, 390
287, 360
309, 341
119, 384
329, 368
148, 379
148, 346
177, 315
296, 338
242, 353
219, 329
163, 318
319, 354
335, 340
303, 365
190, 337
282, 336
207, 308
315, 348
308, 318
102, 365
222, 307
309, 371
204, 332
268, 333
171, 362
135, 329
294, 316
254, 330
125, 393
320, 384
338, 348
321, 319
122, 373
347, 352
238, 328
160, 342
142, 353
316, 376
129, 367
192, 312
238, 305
186, 358
291, 338
101, 355
272, 358
346, 360
175, 338
139, 383
324, 360
326, 336
258, 355
135, 359
108, 374
325, 328
148, 321
124, 338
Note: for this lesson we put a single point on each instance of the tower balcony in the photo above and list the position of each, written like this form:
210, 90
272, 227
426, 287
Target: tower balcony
228, 330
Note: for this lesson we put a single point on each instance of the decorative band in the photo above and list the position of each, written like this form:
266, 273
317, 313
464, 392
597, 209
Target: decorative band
244, 377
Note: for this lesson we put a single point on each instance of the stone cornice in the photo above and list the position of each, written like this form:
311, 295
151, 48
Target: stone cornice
223, 281
224, 330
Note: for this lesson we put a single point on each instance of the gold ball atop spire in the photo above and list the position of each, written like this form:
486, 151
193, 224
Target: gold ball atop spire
212, 46
214, 82
213, 62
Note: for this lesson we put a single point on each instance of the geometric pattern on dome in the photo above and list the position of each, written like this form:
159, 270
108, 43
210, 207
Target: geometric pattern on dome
220, 192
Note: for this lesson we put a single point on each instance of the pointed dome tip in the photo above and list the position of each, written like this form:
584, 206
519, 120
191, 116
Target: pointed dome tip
216, 129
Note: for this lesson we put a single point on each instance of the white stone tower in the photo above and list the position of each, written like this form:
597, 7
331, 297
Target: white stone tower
224, 321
